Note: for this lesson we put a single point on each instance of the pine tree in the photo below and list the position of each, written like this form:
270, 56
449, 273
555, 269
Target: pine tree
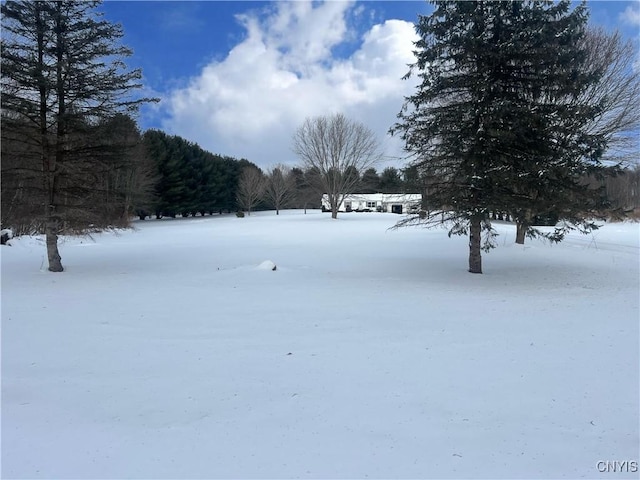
482, 128
62, 75
390, 180
370, 181
170, 189
411, 180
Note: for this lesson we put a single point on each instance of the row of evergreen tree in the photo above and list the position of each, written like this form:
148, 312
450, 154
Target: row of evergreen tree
188, 179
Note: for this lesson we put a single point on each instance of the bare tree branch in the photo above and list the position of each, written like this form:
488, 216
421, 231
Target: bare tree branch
280, 188
336, 149
250, 188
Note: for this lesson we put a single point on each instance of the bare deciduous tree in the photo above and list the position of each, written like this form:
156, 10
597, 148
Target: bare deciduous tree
618, 91
250, 188
617, 94
280, 188
336, 148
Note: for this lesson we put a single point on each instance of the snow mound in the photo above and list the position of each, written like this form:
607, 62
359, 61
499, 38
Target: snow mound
267, 265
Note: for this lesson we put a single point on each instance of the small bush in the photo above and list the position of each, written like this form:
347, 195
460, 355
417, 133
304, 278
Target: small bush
5, 235
240, 214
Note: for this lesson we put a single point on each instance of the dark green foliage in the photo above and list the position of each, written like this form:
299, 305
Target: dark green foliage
306, 195
496, 124
170, 189
412, 182
391, 181
370, 181
191, 180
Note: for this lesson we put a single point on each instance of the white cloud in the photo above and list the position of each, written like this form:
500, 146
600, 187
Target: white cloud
631, 14
249, 104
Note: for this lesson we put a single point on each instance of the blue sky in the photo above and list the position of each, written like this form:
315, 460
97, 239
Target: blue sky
238, 77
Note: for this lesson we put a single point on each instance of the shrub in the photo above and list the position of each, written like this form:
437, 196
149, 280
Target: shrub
6, 235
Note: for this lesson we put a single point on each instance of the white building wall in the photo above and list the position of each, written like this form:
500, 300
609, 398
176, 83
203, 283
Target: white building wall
410, 202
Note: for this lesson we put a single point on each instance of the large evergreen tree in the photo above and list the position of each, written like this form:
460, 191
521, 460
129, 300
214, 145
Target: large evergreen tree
63, 75
496, 124
170, 189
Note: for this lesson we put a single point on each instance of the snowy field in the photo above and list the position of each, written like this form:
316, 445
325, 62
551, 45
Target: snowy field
172, 351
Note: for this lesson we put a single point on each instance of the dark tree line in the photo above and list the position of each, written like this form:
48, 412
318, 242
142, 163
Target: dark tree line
189, 179
122, 173
284, 187
100, 188
390, 180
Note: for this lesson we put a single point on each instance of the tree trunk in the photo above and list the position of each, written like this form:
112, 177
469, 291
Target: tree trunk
475, 238
334, 213
522, 226
521, 230
55, 264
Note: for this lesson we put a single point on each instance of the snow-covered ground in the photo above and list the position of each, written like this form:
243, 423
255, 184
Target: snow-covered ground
175, 351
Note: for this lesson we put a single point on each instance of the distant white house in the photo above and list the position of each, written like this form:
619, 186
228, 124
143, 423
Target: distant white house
377, 202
